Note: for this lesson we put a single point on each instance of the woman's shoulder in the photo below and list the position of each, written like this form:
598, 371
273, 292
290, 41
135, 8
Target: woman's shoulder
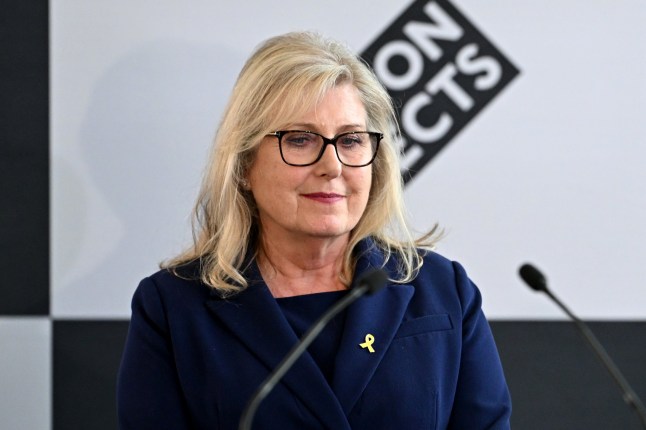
443, 277
167, 282
437, 268
436, 262
432, 257
399, 263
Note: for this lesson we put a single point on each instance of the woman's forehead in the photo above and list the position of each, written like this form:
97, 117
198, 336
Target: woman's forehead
341, 103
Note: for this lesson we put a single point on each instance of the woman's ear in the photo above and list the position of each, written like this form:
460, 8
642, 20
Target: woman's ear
244, 183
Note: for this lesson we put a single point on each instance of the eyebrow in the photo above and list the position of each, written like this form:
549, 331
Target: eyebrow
313, 127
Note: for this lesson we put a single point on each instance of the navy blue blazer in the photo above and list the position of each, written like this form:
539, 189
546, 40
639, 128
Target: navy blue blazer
192, 359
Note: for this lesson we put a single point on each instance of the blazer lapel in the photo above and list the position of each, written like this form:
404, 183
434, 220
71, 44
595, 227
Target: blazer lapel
257, 320
378, 316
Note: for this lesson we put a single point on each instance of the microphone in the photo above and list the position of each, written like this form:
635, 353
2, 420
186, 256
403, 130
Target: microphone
537, 281
369, 283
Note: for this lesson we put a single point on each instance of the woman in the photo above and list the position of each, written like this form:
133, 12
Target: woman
302, 195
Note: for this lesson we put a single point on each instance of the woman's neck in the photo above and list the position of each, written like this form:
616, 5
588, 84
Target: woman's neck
303, 267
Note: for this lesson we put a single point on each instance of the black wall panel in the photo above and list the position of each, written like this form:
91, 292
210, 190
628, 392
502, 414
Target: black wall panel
556, 380
24, 158
86, 356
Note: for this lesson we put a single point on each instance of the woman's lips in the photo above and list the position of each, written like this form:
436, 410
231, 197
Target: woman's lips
324, 197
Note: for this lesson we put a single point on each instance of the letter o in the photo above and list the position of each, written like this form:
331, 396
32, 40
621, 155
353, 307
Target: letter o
412, 56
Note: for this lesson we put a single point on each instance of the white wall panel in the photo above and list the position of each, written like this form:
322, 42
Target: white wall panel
25, 372
549, 172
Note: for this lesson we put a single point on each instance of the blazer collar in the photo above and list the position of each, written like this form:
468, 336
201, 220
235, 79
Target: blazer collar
256, 319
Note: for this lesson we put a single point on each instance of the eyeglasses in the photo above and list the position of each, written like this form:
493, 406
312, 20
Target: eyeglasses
304, 148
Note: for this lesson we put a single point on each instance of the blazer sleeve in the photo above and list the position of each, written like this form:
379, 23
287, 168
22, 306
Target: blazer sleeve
482, 399
149, 395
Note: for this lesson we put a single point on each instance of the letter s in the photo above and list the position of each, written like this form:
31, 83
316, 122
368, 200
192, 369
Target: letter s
470, 65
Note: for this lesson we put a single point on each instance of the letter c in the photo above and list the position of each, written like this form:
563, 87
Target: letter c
412, 127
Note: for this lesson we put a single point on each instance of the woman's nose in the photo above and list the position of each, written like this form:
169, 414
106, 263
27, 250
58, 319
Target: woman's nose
329, 164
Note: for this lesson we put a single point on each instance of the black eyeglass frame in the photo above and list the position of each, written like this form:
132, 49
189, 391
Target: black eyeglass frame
280, 133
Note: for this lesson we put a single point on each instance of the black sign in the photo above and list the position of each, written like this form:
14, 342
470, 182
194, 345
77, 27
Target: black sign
440, 71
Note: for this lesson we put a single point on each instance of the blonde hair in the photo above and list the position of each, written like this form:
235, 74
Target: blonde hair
299, 68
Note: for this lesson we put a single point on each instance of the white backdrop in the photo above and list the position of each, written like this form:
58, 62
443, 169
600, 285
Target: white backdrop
550, 172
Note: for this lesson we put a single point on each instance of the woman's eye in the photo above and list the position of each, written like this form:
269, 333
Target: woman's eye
299, 139
350, 140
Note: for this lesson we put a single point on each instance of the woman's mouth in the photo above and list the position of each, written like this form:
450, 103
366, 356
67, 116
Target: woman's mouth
324, 197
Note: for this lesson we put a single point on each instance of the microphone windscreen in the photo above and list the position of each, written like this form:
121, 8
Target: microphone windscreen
533, 277
375, 280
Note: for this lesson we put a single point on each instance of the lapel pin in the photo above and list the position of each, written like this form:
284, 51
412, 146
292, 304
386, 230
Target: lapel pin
370, 339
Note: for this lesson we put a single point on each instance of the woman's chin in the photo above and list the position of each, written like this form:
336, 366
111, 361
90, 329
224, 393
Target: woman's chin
328, 231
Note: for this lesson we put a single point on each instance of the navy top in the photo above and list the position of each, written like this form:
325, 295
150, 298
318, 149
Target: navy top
303, 311
193, 357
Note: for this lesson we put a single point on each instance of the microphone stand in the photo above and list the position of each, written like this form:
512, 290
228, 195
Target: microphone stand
535, 279
370, 283
628, 394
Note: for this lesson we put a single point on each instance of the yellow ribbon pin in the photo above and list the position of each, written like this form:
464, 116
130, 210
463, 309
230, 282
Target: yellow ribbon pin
370, 339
